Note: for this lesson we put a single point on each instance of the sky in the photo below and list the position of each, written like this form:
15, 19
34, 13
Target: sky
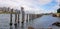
32, 6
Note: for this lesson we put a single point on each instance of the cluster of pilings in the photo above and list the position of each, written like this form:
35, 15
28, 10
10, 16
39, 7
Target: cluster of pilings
28, 17
17, 14
31, 17
34, 16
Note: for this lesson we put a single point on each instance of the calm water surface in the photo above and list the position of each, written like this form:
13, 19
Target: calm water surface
42, 22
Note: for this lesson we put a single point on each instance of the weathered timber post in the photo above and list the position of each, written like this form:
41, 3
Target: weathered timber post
31, 16
22, 11
15, 17
28, 17
11, 16
18, 15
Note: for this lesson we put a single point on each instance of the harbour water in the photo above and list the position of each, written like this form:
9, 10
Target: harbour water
43, 22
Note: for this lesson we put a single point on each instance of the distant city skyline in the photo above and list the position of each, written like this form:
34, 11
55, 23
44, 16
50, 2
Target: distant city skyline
32, 6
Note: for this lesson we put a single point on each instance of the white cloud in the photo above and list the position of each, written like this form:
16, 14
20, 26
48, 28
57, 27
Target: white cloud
29, 5
43, 2
57, 0
24, 2
7, 3
54, 9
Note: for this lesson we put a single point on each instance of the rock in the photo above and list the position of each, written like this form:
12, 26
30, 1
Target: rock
56, 24
30, 27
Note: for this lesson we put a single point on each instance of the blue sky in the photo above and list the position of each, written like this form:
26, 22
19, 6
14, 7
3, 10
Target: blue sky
50, 5
32, 6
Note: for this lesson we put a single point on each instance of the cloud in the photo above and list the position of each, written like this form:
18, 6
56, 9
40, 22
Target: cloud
25, 2
7, 3
54, 9
44, 2
57, 1
29, 5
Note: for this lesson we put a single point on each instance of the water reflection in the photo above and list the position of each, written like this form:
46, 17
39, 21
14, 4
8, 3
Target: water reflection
18, 25
11, 27
15, 26
44, 21
22, 25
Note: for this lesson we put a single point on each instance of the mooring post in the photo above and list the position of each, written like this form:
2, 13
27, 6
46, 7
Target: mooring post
15, 17
22, 11
18, 15
31, 17
28, 17
11, 16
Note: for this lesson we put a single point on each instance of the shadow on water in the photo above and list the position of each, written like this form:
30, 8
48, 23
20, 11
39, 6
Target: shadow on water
22, 26
17, 26
11, 27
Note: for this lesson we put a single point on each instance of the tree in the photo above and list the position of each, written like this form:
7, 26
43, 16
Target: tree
58, 10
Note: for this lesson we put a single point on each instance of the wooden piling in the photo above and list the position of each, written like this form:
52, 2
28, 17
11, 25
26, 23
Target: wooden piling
30, 27
15, 18
22, 11
31, 16
11, 17
18, 16
27, 18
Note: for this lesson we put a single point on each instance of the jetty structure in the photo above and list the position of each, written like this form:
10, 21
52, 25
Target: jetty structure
28, 16
17, 14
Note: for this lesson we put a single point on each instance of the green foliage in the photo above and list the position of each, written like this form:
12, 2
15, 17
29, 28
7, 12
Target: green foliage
58, 11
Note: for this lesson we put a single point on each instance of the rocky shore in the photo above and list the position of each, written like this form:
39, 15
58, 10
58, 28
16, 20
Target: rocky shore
56, 15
